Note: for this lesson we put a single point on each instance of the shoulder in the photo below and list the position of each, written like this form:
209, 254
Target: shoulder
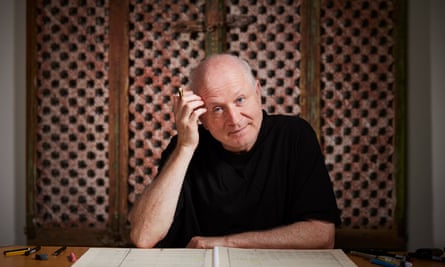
287, 130
294, 124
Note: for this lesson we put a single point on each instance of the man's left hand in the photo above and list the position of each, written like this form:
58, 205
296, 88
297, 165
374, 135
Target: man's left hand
206, 242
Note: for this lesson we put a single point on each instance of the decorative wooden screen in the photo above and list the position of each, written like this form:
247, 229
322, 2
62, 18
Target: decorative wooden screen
102, 75
359, 101
68, 181
160, 60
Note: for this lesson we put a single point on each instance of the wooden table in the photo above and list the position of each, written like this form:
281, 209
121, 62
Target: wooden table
63, 259
53, 261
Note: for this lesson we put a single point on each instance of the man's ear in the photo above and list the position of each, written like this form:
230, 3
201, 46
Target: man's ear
258, 88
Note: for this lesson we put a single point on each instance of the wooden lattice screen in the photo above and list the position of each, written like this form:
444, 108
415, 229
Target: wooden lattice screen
359, 101
101, 75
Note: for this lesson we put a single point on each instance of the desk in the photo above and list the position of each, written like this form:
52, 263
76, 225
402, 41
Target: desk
62, 259
53, 261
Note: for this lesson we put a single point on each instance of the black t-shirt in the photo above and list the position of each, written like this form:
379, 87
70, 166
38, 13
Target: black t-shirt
281, 180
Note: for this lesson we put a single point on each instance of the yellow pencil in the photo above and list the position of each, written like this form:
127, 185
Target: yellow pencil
20, 251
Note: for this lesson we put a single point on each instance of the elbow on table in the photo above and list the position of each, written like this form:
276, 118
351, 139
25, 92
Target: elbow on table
324, 235
145, 240
327, 241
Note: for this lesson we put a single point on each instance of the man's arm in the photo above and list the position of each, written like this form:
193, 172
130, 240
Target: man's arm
300, 235
153, 213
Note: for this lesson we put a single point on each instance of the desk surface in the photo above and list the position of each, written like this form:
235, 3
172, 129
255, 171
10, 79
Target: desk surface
63, 259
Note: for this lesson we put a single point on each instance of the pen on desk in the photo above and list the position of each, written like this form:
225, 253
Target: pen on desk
383, 263
33, 250
428, 254
58, 251
379, 252
18, 251
430, 257
396, 260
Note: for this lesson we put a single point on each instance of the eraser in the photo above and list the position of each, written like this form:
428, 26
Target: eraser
42, 257
72, 257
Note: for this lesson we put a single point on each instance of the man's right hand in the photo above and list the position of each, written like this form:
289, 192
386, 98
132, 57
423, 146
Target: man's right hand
188, 108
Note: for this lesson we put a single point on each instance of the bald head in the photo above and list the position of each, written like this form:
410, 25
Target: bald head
216, 66
232, 98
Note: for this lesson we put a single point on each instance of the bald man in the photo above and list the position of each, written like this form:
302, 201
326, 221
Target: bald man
235, 176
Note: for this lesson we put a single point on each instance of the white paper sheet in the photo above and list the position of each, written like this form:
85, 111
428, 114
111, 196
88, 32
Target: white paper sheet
235, 257
219, 257
132, 257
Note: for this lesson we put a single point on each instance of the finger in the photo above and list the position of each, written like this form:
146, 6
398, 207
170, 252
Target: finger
197, 113
191, 243
190, 106
185, 104
180, 95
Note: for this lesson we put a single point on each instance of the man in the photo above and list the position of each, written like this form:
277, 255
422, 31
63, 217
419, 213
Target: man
235, 176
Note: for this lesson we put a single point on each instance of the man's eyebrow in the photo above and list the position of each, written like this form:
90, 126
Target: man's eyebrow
212, 103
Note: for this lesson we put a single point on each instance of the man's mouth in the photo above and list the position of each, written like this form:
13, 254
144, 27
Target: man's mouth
237, 131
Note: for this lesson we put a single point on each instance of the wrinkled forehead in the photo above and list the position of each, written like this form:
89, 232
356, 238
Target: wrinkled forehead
217, 71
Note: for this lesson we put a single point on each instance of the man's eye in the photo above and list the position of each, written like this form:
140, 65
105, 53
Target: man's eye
240, 100
217, 109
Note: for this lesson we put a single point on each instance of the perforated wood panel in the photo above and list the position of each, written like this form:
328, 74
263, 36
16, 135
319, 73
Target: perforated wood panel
357, 116
271, 44
160, 62
72, 129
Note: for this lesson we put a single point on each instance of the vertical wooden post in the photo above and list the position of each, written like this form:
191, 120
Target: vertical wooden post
31, 116
310, 63
215, 23
118, 115
400, 55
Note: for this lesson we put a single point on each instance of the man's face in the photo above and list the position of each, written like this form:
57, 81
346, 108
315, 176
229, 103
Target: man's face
234, 112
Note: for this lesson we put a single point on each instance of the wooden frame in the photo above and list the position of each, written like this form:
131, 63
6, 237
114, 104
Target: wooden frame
310, 64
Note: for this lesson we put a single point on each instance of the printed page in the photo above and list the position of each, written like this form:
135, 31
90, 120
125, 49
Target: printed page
126, 257
235, 257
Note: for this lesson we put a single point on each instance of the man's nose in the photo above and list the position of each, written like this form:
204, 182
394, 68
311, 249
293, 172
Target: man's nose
232, 115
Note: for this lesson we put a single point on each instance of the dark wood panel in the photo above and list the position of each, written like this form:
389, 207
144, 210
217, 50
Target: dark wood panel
310, 63
31, 111
118, 116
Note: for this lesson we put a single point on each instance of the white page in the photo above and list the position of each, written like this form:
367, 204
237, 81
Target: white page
226, 257
125, 257
102, 257
235, 257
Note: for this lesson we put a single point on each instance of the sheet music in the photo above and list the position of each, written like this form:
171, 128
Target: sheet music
235, 257
132, 257
226, 257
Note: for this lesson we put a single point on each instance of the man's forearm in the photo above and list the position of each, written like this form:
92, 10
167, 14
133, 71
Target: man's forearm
153, 213
307, 234
300, 235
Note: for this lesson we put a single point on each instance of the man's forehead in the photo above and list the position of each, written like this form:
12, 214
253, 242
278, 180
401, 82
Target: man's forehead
219, 66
